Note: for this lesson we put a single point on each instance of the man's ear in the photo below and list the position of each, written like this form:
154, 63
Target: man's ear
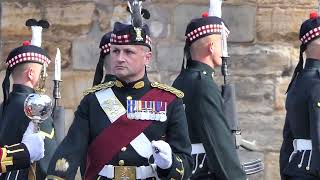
148, 57
211, 47
30, 73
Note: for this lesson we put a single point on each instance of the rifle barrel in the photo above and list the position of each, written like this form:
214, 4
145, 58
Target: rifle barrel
224, 69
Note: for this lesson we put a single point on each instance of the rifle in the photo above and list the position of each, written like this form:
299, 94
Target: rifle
230, 109
58, 114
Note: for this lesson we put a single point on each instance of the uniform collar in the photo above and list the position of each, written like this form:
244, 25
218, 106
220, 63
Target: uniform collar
139, 84
206, 69
22, 88
109, 77
312, 63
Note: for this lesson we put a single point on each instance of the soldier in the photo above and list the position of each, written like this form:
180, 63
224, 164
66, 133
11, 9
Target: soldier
129, 128
103, 68
300, 150
208, 128
25, 63
18, 156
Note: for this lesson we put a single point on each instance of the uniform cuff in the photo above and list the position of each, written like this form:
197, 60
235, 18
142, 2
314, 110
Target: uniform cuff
176, 171
14, 157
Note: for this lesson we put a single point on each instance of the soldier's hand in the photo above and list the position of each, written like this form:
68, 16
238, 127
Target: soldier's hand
162, 154
34, 143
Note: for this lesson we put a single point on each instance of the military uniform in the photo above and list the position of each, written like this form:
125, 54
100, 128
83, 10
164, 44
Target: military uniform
119, 124
207, 124
99, 73
300, 150
213, 148
14, 157
302, 125
90, 120
14, 123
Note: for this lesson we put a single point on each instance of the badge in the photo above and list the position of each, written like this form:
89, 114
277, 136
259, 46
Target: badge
112, 107
138, 33
62, 165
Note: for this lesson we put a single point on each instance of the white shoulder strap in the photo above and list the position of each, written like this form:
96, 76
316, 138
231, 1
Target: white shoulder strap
114, 110
110, 104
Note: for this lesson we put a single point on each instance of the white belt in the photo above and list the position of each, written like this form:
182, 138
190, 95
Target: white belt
302, 144
197, 148
142, 172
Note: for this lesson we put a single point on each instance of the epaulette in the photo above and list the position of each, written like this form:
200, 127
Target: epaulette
99, 87
171, 89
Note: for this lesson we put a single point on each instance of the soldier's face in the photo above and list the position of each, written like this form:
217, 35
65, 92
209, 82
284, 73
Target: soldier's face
128, 61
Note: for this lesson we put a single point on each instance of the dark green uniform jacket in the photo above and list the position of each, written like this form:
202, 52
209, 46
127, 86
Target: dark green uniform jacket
107, 78
207, 124
302, 122
13, 125
90, 120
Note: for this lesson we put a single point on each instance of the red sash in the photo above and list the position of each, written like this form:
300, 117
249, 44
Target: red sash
1, 160
109, 142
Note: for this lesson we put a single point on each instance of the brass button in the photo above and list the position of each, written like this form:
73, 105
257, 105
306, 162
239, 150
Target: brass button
121, 162
129, 97
123, 149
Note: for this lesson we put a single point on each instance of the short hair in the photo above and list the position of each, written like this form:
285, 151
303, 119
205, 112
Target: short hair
146, 49
199, 45
20, 69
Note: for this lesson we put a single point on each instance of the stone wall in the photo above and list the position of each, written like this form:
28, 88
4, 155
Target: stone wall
263, 48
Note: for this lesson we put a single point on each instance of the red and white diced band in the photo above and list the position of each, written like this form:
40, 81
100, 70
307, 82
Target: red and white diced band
106, 48
28, 56
120, 39
126, 39
315, 32
148, 40
202, 30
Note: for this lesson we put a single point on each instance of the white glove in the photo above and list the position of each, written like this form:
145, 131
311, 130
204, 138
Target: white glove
162, 154
34, 143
